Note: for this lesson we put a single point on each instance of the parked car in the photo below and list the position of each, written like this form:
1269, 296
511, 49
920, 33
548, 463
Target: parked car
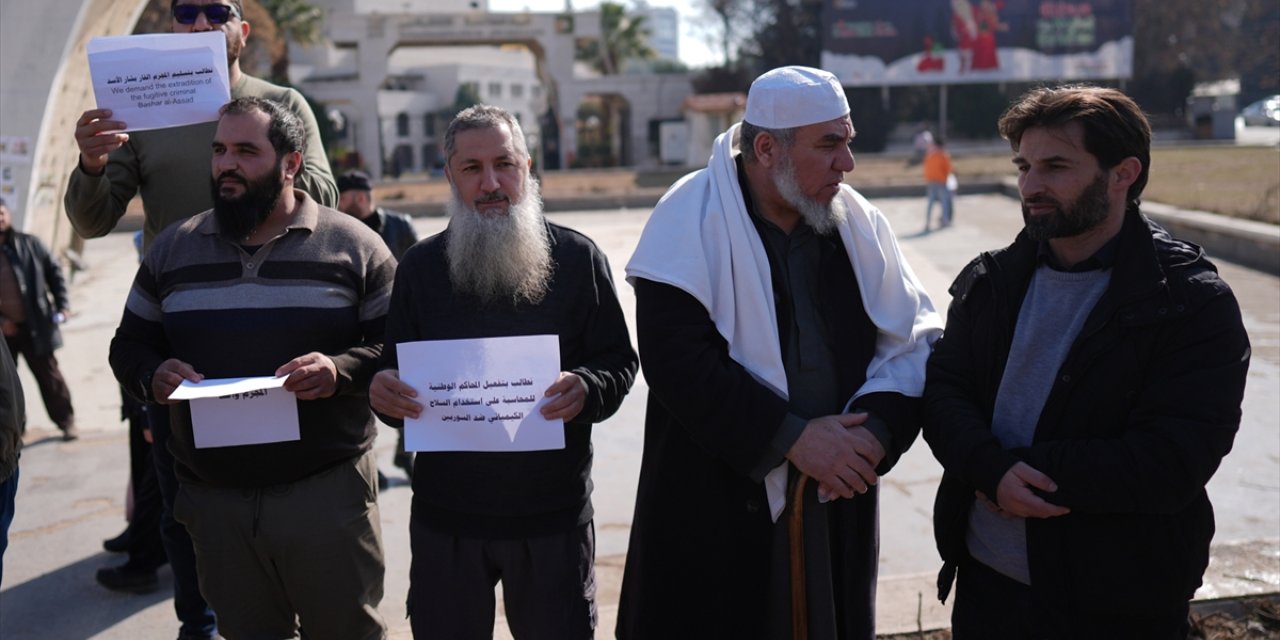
1263, 113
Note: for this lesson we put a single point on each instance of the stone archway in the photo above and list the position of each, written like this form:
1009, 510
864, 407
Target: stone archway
44, 72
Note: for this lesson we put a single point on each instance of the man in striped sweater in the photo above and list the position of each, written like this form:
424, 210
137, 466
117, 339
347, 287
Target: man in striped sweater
270, 283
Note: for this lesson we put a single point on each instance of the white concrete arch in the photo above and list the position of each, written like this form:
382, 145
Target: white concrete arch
44, 87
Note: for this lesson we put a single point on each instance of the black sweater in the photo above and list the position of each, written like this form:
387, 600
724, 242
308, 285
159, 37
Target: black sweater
524, 494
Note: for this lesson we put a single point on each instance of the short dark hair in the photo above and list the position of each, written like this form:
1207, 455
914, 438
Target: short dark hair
354, 180
285, 130
483, 116
235, 3
1114, 126
747, 138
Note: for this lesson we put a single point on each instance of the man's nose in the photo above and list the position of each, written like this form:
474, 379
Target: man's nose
201, 23
1030, 184
489, 180
844, 161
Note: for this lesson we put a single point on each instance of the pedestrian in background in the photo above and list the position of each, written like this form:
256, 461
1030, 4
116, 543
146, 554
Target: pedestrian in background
33, 302
937, 178
355, 198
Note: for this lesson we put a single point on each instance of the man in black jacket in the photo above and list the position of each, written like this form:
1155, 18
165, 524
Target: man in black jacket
355, 198
33, 302
1086, 388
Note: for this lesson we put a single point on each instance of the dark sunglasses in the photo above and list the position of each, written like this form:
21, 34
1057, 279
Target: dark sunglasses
214, 13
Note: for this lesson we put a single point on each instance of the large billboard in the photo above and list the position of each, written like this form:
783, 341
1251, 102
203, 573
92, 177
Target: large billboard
899, 42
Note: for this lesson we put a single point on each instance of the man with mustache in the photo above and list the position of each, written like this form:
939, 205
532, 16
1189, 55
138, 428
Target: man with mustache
269, 283
1086, 389
161, 166
524, 518
784, 340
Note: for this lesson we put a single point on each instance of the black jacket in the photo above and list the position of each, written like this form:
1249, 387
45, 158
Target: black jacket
44, 292
396, 230
1144, 407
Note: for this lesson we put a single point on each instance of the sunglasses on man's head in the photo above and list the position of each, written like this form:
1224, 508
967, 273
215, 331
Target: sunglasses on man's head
214, 13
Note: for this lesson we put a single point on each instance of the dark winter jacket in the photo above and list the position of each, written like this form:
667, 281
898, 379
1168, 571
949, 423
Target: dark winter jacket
44, 291
396, 230
1142, 411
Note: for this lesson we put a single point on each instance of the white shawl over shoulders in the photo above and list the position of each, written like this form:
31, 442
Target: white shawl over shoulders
700, 239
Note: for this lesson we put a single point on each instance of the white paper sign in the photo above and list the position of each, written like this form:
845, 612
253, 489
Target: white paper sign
154, 81
483, 394
229, 412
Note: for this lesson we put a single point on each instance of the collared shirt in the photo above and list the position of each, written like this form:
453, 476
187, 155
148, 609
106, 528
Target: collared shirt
1103, 258
795, 261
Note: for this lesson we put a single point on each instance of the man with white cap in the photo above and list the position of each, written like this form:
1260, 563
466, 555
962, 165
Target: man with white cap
784, 340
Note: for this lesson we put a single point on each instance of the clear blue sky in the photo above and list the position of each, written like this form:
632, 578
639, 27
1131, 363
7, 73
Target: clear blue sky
693, 44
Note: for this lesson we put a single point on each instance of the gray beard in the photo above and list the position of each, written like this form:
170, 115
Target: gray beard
500, 258
822, 217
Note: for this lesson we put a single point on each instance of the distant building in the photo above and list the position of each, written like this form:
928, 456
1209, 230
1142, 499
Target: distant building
416, 107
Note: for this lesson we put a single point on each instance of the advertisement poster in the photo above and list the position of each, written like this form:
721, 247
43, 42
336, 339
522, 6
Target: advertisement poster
889, 42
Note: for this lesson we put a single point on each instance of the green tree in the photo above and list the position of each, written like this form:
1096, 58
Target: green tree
296, 21
622, 37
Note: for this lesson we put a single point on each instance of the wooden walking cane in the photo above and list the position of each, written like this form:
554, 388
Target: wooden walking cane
795, 530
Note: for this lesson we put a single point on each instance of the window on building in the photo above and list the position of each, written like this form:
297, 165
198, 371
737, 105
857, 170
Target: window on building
495, 89
536, 91
429, 124
517, 90
402, 125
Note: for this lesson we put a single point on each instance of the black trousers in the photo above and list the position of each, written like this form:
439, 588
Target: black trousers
548, 585
146, 550
992, 606
53, 388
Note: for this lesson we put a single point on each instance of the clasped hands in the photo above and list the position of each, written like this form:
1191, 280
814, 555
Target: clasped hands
839, 453
311, 376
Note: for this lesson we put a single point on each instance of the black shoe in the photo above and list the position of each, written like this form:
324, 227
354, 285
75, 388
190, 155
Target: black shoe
70, 433
128, 579
118, 544
383, 483
404, 460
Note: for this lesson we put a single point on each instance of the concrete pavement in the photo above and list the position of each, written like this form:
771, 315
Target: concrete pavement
71, 495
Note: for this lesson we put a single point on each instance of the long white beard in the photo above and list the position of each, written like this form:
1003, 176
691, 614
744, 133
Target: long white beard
496, 257
823, 217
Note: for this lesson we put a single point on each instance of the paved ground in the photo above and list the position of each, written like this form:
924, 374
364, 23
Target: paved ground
72, 494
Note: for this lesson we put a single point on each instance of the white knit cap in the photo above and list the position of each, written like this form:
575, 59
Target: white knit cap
789, 97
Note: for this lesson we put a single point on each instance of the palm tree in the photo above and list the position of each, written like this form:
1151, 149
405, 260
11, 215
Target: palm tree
297, 21
622, 37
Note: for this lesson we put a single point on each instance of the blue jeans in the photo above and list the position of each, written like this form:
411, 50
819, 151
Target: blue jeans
937, 192
193, 612
8, 492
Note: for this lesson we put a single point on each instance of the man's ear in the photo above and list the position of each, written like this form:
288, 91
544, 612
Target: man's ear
766, 148
1126, 172
293, 164
244, 31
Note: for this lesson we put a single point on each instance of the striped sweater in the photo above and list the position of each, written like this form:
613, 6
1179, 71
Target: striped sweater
323, 285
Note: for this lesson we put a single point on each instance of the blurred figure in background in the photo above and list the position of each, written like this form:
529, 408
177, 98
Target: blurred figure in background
33, 302
937, 175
